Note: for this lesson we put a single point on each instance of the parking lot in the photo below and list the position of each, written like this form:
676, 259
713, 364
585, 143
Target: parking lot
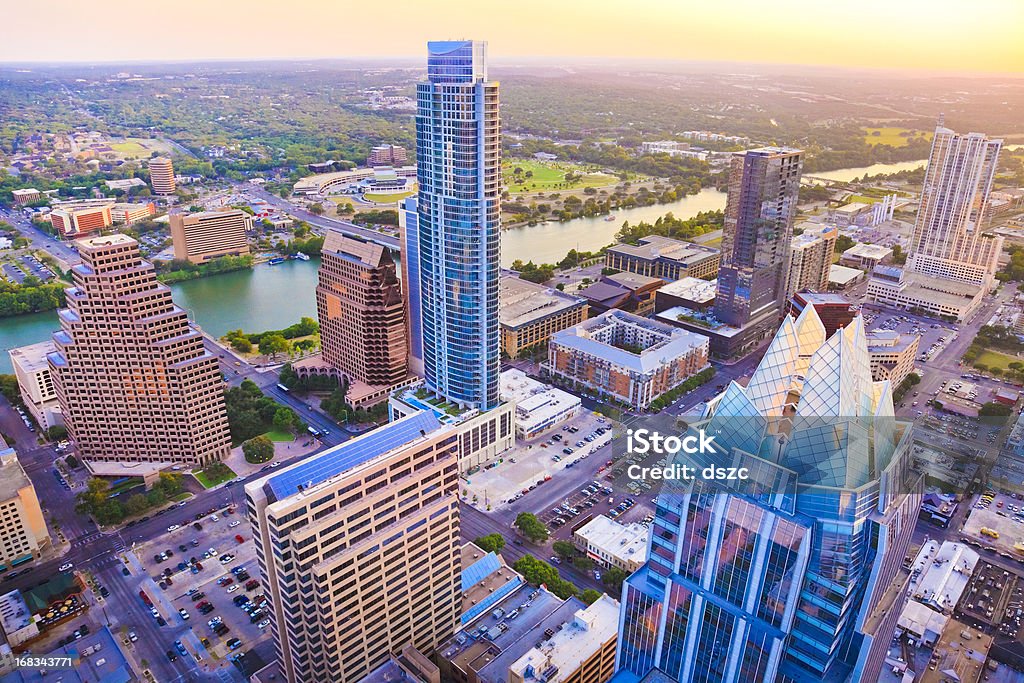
997, 521
935, 336
529, 464
198, 571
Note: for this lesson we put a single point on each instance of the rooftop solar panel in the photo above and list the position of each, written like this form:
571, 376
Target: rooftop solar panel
342, 457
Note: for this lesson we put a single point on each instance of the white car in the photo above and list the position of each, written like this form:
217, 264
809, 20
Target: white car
213, 552
263, 624
214, 518
232, 588
173, 527
65, 567
132, 636
234, 524
183, 613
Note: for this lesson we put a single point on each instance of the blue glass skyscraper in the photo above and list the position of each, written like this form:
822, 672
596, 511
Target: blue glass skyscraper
457, 224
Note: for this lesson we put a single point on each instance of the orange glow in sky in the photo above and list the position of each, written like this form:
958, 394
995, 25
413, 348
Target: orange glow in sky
946, 35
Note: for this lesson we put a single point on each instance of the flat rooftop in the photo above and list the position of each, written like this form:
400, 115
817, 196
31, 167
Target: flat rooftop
32, 358
557, 657
591, 337
633, 281
691, 288
12, 474
104, 241
871, 251
704, 319
105, 663
842, 275
521, 302
625, 541
486, 580
654, 247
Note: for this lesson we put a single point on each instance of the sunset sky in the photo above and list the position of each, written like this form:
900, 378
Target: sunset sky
946, 35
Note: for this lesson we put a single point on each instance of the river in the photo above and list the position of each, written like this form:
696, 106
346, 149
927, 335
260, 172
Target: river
273, 297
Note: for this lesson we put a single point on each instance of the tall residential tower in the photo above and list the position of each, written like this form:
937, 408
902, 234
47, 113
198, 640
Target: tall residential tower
135, 383
161, 175
763, 192
457, 225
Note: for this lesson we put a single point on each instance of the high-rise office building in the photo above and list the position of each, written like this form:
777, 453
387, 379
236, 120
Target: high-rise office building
135, 383
199, 237
361, 311
457, 224
789, 576
36, 384
161, 176
948, 240
764, 185
387, 155
359, 550
78, 219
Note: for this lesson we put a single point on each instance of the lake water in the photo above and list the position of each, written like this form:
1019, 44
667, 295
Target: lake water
273, 297
550, 242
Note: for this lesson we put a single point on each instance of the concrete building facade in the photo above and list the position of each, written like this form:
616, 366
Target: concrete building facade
137, 388
530, 313
810, 259
387, 155
23, 532
359, 550
36, 384
892, 355
161, 176
79, 220
200, 237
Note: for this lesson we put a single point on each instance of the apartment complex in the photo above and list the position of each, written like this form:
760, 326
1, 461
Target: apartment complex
529, 313
362, 317
665, 258
950, 251
23, 533
457, 226
387, 155
161, 176
892, 355
128, 214
136, 386
80, 219
625, 357
810, 258
359, 550
199, 237
35, 382
790, 579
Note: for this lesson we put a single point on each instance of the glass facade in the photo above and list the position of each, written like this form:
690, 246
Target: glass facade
458, 224
781, 577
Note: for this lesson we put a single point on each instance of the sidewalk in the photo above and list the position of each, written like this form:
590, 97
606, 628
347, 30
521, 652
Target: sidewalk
284, 451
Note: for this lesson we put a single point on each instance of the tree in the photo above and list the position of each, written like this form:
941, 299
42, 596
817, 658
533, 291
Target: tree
613, 578
991, 409
258, 449
317, 209
241, 344
169, 483
564, 549
273, 344
531, 527
136, 504
284, 419
843, 242
491, 543
590, 596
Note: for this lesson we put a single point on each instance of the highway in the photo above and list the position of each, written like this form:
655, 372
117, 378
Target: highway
389, 241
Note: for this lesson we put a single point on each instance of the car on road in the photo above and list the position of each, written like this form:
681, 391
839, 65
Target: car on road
234, 644
132, 636
66, 567
234, 524
181, 648
171, 657
173, 527
184, 614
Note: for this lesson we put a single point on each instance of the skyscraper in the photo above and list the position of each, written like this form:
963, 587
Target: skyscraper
359, 550
786, 577
135, 383
457, 225
948, 240
161, 175
810, 259
361, 312
200, 237
763, 193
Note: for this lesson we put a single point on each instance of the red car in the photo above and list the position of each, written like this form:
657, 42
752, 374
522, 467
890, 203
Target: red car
238, 537
251, 584
145, 598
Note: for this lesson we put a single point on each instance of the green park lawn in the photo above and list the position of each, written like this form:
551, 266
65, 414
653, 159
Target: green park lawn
550, 176
277, 436
210, 481
994, 359
130, 148
891, 136
387, 198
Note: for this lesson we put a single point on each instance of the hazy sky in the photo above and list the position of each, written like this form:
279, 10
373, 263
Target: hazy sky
961, 35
